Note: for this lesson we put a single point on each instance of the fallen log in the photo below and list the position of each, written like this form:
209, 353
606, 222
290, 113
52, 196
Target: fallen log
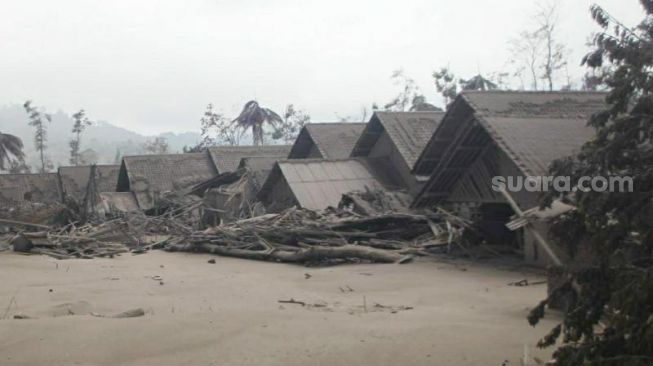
302, 255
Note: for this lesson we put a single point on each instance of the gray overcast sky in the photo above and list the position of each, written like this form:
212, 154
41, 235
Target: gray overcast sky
152, 66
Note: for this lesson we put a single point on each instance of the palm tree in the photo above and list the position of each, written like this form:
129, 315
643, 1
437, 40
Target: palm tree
253, 117
10, 145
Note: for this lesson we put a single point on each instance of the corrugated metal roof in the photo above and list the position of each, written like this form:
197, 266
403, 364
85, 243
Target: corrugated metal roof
44, 188
148, 174
318, 184
333, 140
227, 158
409, 132
74, 179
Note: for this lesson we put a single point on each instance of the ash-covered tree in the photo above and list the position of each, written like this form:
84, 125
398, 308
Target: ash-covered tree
555, 52
80, 122
11, 152
254, 117
610, 322
293, 121
409, 98
448, 85
217, 130
37, 120
157, 145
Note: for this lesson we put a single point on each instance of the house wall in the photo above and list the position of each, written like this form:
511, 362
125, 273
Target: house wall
385, 148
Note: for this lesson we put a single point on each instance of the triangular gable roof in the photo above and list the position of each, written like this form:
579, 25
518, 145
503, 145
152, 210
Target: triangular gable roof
408, 131
531, 128
226, 158
333, 140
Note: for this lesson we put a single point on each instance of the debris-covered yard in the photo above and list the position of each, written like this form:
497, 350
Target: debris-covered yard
435, 311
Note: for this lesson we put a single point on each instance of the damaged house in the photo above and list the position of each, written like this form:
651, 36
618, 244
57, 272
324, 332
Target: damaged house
227, 158
326, 140
35, 188
317, 184
75, 180
148, 177
506, 134
399, 137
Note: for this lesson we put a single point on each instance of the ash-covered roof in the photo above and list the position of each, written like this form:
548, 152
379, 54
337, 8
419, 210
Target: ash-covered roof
146, 175
408, 131
317, 183
74, 179
16, 188
531, 128
227, 158
333, 140
259, 168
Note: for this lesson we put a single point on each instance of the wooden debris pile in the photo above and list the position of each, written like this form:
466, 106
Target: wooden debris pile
305, 236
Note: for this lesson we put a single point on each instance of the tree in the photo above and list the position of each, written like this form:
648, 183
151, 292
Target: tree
36, 120
537, 51
217, 130
409, 98
158, 145
527, 51
88, 157
478, 82
293, 121
555, 53
254, 117
79, 125
610, 321
446, 84
11, 151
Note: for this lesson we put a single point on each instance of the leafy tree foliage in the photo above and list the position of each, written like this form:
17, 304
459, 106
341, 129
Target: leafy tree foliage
37, 120
254, 117
80, 123
217, 130
157, 145
293, 121
610, 322
448, 84
410, 97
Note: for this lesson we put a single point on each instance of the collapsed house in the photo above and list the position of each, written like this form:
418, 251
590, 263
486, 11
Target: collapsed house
317, 184
326, 140
75, 180
399, 137
235, 195
149, 177
506, 134
35, 188
227, 158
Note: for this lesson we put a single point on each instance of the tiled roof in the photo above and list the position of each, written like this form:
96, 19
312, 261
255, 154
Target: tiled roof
227, 158
409, 132
332, 140
74, 179
536, 128
149, 174
42, 188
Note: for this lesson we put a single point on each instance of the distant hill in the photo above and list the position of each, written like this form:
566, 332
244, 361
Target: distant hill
107, 140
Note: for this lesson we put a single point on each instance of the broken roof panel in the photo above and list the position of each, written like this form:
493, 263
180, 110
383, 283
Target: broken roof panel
408, 131
227, 158
43, 188
146, 175
332, 140
74, 179
318, 184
